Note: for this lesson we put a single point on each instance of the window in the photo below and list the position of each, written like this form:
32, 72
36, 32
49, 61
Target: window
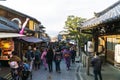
111, 42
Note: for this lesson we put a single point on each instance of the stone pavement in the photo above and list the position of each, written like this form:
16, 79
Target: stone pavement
77, 72
5, 72
109, 72
43, 74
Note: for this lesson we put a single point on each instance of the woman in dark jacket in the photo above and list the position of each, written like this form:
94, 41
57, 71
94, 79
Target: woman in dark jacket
49, 58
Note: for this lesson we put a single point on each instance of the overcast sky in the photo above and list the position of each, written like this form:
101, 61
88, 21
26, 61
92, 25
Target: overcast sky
53, 13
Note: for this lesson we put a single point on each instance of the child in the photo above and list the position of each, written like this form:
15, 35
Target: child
26, 68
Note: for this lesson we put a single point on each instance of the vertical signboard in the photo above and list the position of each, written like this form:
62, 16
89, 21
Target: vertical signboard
117, 53
90, 46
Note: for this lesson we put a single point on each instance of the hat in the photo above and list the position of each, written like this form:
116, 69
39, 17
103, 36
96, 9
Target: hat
14, 64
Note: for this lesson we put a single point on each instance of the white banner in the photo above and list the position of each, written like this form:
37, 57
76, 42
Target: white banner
117, 53
90, 46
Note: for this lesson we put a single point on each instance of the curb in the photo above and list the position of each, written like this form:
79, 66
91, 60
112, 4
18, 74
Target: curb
8, 76
78, 73
81, 77
114, 67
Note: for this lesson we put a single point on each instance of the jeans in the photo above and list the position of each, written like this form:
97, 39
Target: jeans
57, 64
96, 74
50, 66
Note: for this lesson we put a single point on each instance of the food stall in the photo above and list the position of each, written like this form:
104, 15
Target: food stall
6, 48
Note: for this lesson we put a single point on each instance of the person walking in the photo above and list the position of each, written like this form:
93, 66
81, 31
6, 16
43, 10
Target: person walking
67, 57
49, 58
37, 56
15, 63
57, 59
96, 63
73, 54
43, 58
29, 54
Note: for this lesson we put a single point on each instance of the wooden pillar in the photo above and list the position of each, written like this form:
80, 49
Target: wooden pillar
88, 65
95, 36
105, 48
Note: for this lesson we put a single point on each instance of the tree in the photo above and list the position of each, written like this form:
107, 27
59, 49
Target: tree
72, 25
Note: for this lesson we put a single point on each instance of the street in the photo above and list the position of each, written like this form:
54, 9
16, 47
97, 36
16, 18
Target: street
43, 74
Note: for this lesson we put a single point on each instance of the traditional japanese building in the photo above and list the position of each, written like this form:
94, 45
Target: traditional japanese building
105, 28
11, 23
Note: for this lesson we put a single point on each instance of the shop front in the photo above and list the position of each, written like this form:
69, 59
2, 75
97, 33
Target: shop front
26, 42
105, 28
7, 46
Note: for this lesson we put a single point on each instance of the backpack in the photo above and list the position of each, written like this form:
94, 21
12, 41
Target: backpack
26, 67
28, 55
37, 57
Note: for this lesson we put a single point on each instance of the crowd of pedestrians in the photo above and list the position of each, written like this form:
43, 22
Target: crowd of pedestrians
46, 58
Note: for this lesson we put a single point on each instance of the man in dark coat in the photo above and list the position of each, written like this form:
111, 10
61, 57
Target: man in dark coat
29, 54
49, 58
37, 55
73, 54
97, 63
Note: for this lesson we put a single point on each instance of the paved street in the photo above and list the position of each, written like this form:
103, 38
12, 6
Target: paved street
109, 72
64, 75
77, 72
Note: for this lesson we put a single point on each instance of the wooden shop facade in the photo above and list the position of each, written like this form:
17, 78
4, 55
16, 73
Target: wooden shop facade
11, 22
105, 28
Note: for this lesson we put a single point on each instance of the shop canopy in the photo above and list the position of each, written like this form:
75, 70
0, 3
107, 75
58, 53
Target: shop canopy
10, 35
31, 39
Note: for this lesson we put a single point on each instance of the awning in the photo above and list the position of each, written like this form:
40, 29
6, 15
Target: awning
5, 28
8, 35
31, 39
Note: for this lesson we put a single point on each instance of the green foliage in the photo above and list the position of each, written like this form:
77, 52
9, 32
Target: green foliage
71, 25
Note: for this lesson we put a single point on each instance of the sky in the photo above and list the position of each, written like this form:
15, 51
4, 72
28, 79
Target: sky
53, 13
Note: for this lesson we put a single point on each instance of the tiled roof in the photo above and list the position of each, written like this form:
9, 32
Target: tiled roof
5, 28
112, 13
7, 25
17, 12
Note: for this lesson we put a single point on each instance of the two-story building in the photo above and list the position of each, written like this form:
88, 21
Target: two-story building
11, 23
